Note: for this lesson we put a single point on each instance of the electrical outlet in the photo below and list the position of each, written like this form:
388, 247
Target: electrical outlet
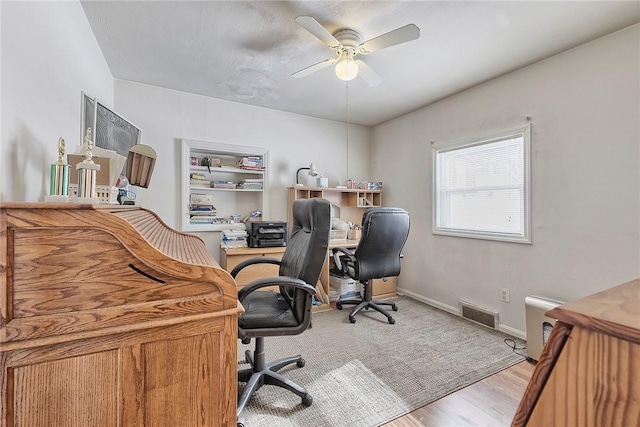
504, 295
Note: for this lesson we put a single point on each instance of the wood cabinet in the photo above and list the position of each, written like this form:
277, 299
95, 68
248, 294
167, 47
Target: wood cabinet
383, 288
111, 318
237, 200
589, 370
230, 258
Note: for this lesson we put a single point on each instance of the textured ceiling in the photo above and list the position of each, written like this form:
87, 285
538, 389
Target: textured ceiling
246, 51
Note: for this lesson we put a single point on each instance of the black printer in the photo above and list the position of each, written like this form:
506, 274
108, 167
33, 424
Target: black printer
265, 234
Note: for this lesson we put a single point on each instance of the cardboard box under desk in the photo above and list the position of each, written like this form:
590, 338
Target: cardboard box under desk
102, 176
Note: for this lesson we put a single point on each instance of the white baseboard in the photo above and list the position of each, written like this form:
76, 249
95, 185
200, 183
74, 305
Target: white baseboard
513, 332
454, 310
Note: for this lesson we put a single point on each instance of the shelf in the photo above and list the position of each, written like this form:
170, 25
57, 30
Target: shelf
225, 169
334, 190
209, 227
229, 202
343, 197
248, 190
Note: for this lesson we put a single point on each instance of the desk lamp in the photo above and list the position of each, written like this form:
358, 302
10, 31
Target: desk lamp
312, 172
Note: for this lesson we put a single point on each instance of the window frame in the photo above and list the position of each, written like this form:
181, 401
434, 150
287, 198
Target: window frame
443, 147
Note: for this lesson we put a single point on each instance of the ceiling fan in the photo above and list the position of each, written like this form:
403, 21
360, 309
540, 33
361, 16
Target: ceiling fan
346, 44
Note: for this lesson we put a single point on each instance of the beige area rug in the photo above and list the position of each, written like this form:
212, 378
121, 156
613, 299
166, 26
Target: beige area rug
371, 372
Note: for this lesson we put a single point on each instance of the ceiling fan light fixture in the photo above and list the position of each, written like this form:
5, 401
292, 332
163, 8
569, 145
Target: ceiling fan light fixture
346, 68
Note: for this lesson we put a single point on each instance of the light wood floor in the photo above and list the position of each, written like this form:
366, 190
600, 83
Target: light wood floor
490, 402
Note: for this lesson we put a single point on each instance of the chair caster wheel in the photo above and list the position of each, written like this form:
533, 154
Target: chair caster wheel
240, 424
300, 363
352, 319
339, 306
392, 320
394, 307
307, 400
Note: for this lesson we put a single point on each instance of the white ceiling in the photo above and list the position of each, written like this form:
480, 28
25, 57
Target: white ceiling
246, 51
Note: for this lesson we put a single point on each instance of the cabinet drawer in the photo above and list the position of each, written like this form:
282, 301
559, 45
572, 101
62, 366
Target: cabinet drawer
248, 274
384, 286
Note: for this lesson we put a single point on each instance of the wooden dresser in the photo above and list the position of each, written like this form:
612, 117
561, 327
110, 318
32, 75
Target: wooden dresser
111, 318
589, 372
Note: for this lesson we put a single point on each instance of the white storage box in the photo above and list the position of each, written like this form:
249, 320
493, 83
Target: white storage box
345, 287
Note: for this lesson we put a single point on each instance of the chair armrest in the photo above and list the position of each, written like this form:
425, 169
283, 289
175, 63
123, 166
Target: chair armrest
274, 281
253, 261
336, 256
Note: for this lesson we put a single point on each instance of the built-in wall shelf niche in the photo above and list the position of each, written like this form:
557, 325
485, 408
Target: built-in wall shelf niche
220, 182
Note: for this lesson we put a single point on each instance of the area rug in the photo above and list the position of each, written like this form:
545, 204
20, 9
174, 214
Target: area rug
368, 373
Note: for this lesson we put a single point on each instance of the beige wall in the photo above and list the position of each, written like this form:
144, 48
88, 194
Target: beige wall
49, 55
584, 108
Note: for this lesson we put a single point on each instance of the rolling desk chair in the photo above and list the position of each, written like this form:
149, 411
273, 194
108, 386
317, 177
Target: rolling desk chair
288, 312
384, 233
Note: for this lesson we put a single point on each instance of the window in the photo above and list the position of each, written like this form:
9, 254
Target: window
481, 187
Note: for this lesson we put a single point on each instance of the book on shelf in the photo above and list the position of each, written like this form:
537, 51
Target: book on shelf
223, 184
202, 211
203, 218
250, 161
198, 176
199, 183
252, 168
203, 215
202, 207
247, 185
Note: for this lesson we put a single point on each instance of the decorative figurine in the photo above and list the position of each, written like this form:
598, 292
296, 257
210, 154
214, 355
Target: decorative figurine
59, 185
87, 171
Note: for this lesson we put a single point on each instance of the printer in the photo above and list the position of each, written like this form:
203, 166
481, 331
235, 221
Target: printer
265, 234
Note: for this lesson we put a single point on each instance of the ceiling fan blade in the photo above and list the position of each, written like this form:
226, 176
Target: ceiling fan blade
367, 74
311, 25
400, 35
313, 68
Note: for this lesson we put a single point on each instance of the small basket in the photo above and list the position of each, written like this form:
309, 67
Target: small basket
106, 195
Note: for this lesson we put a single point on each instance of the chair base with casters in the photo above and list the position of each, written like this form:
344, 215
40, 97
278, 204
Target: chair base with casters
262, 373
366, 303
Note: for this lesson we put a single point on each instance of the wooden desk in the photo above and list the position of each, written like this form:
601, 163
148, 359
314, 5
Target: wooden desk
231, 257
111, 318
589, 371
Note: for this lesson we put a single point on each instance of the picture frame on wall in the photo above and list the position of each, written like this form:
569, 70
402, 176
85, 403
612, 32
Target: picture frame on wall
110, 130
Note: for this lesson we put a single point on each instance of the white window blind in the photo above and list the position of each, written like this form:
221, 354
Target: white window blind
481, 188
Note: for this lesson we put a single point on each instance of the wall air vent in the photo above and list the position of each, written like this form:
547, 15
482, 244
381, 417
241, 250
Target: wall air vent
479, 315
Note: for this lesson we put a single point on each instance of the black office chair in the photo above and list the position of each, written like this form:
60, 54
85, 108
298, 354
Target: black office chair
288, 312
384, 233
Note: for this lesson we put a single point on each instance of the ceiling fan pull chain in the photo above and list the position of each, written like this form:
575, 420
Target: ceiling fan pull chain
347, 122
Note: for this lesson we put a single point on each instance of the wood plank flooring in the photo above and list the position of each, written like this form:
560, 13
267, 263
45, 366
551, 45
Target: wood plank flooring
489, 402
